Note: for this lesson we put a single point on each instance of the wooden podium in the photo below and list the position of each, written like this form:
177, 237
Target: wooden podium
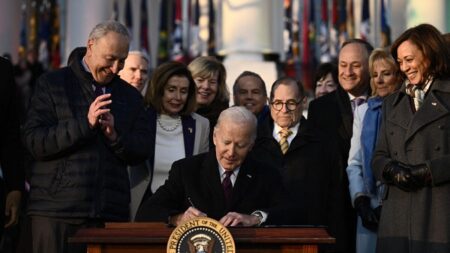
153, 237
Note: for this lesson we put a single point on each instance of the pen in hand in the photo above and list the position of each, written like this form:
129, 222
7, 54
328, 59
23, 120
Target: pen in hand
195, 211
190, 202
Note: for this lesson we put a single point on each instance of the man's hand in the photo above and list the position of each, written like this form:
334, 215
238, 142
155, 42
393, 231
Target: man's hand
107, 126
190, 213
98, 108
12, 207
233, 219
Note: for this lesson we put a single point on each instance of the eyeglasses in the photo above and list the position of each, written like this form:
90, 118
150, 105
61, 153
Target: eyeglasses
290, 105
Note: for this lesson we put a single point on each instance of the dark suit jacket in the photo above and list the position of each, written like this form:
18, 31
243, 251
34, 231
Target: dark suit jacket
332, 115
308, 174
10, 144
257, 187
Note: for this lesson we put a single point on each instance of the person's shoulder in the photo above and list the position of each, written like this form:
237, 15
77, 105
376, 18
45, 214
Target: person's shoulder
200, 118
56, 76
325, 99
5, 62
126, 90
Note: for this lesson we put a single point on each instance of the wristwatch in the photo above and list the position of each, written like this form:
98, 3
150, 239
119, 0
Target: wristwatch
260, 217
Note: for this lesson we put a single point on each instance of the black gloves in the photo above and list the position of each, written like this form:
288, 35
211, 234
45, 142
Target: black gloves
406, 177
421, 174
368, 215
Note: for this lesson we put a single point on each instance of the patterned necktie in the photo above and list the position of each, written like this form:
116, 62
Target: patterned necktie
284, 144
418, 97
227, 187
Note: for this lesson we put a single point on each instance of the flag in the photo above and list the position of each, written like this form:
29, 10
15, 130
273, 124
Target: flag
334, 31
55, 54
144, 27
32, 26
177, 34
287, 34
163, 43
305, 33
23, 30
295, 30
365, 20
195, 43
44, 33
323, 35
385, 27
350, 22
115, 13
212, 23
129, 17
343, 34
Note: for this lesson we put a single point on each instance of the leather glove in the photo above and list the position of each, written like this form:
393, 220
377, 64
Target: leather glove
368, 216
421, 175
399, 175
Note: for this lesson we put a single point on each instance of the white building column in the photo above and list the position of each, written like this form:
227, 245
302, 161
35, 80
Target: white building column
10, 24
81, 17
251, 28
432, 12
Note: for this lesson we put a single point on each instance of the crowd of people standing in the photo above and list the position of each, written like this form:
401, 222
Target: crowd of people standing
110, 140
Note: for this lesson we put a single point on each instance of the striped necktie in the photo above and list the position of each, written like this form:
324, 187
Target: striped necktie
284, 144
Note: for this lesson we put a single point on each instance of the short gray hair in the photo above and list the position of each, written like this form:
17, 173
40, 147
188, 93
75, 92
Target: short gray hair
142, 54
105, 27
239, 115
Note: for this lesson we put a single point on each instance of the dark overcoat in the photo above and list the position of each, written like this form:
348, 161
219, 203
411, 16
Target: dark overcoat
309, 176
416, 221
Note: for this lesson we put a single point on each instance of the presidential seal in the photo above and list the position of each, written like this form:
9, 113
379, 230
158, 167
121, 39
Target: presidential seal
201, 235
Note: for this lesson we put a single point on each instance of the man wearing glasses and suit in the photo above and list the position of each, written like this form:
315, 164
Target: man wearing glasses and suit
285, 141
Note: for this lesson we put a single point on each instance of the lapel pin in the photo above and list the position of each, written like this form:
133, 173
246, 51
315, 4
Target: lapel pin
249, 176
190, 130
433, 103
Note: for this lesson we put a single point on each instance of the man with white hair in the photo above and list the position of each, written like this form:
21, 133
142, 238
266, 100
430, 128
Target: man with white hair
83, 127
135, 71
224, 184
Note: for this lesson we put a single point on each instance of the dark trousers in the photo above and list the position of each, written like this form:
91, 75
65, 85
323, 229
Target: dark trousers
50, 235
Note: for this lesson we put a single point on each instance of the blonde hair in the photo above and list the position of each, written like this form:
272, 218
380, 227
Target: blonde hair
380, 54
207, 66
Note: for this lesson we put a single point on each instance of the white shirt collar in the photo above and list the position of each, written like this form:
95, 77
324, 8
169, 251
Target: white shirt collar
85, 66
233, 177
353, 97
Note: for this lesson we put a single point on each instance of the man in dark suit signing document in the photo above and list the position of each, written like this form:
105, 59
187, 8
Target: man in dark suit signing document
223, 184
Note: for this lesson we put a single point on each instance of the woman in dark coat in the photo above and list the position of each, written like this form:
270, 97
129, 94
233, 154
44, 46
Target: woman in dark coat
413, 153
